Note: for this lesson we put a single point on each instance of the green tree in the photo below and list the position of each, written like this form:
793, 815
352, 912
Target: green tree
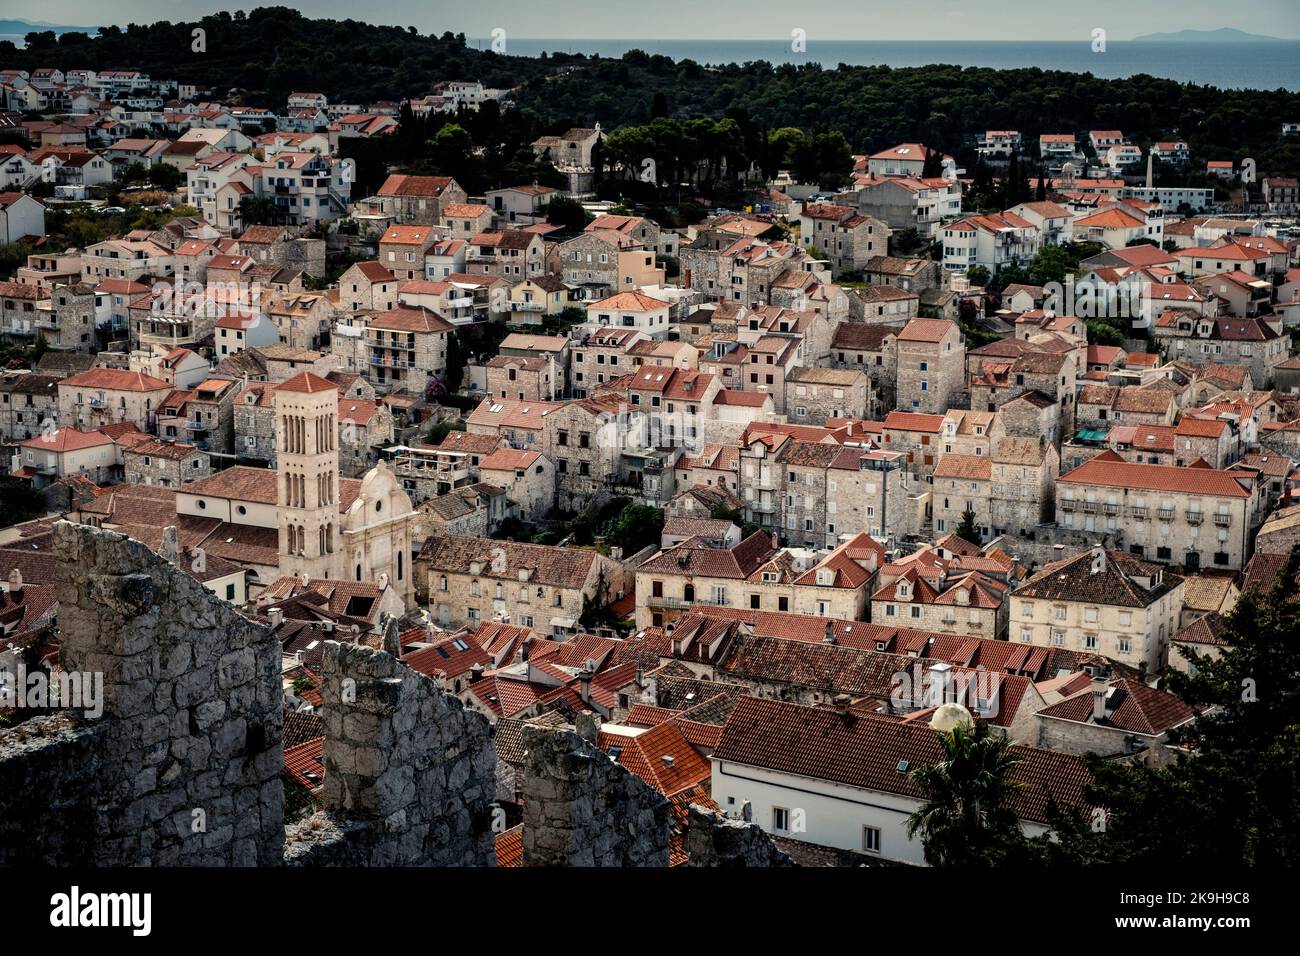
455, 373
1233, 797
567, 212
635, 527
19, 502
968, 529
978, 276
967, 818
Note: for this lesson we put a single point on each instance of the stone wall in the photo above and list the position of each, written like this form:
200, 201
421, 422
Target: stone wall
713, 840
410, 774
583, 809
182, 767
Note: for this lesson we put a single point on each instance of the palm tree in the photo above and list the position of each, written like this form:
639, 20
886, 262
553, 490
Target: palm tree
967, 819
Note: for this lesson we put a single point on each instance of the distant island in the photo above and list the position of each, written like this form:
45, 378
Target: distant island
23, 27
1222, 35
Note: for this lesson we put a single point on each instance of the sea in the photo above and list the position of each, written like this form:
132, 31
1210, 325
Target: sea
1267, 65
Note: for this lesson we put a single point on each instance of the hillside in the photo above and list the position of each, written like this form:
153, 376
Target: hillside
273, 51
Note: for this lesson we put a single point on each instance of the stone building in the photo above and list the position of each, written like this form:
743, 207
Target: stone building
528, 478
1199, 517
871, 349
106, 396
1101, 602
364, 428
756, 575
931, 366
166, 464
1114, 717
472, 580
407, 347
816, 394
27, 401
841, 235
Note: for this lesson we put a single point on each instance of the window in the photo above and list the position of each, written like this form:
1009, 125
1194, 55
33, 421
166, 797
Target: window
871, 839
780, 820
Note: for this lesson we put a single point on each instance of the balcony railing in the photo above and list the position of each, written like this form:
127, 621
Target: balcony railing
1194, 517
1138, 511
1165, 514
1222, 520
1110, 507
1068, 504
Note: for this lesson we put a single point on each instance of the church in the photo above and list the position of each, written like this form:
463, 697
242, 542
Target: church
302, 518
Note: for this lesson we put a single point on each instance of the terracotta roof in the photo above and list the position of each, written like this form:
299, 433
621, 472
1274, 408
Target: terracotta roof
867, 752
307, 382
1110, 470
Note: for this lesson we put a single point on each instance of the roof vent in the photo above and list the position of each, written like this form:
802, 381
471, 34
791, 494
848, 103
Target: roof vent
903, 766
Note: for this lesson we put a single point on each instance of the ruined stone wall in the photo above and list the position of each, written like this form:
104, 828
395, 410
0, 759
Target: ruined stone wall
410, 774
182, 767
713, 840
583, 809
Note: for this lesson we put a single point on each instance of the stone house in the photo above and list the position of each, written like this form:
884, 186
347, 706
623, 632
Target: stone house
407, 346
871, 349
601, 356
513, 254
530, 378
1101, 602
1031, 414
402, 249
755, 575
364, 428
422, 199
165, 464
582, 438
1120, 716
528, 478
474, 510
473, 580
816, 394
931, 365
1101, 406
972, 603
106, 396
27, 401
842, 235
883, 304
368, 285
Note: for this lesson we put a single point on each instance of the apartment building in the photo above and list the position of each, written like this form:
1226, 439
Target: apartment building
1199, 517
1101, 602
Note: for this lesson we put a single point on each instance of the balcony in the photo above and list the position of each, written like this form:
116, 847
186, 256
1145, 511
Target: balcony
389, 362
521, 306
1110, 508
1194, 517
1091, 507
761, 507
1138, 511
662, 600
1068, 504
1165, 514
1223, 520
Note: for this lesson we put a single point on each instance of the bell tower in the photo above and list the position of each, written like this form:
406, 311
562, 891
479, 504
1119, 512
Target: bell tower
307, 475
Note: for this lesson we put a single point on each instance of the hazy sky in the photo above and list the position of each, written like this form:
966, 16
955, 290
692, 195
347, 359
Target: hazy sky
735, 19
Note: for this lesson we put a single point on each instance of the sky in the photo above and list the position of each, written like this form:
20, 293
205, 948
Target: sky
734, 19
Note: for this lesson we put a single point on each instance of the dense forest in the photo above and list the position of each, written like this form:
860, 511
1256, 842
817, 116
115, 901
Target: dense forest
267, 53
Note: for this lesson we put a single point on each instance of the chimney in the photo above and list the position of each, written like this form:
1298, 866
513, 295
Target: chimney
475, 673
1099, 688
667, 760
523, 649
841, 702
15, 581
584, 686
829, 638
276, 616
